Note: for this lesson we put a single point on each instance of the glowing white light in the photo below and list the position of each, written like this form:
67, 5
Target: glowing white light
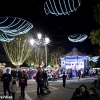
32, 41
46, 40
77, 37
61, 7
39, 36
94, 59
13, 26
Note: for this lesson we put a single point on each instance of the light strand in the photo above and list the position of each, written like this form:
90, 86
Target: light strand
77, 37
60, 8
13, 26
17, 50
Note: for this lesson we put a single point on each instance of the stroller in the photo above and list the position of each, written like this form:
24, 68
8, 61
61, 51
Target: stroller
45, 87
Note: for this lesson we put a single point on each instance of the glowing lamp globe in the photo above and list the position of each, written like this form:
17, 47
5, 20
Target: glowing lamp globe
47, 40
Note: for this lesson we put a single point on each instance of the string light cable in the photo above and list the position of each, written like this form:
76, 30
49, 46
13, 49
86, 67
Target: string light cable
13, 26
77, 37
59, 27
61, 7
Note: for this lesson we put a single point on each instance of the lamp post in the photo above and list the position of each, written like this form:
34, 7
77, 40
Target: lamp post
39, 38
41, 42
46, 42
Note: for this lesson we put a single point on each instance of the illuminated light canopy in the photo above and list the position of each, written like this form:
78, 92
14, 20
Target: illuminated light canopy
61, 7
5, 38
17, 50
77, 37
13, 26
33, 58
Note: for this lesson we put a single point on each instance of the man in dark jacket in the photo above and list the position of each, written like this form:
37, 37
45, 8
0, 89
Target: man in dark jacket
39, 77
93, 95
64, 79
6, 78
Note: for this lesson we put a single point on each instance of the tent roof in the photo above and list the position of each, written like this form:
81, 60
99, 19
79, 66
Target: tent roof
75, 52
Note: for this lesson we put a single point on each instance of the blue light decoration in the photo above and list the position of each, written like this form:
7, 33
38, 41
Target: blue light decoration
77, 37
61, 7
74, 62
13, 26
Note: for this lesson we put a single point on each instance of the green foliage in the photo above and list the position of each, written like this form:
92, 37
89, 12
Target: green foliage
97, 50
50, 63
98, 64
97, 13
95, 37
95, 34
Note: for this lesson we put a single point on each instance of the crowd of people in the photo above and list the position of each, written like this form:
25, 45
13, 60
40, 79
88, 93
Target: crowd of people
7, 79
41, 77
57, 74
82, 93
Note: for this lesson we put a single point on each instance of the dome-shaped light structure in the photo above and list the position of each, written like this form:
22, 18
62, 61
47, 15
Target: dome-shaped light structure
61, 7
5, 38
13, 26
77, 37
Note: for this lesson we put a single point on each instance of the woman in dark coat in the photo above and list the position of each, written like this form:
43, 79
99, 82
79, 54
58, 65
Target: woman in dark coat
77, 95
84, 92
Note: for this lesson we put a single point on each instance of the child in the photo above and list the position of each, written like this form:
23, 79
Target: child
13, 89
22, 85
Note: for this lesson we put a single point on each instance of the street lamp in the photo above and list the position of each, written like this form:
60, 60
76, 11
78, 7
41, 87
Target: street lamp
32, 41
41, 42
39, 37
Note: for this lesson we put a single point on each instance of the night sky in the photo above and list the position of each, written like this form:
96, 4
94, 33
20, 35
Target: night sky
57, 28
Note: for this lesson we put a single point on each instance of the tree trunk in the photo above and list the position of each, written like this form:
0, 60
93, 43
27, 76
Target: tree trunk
18, 67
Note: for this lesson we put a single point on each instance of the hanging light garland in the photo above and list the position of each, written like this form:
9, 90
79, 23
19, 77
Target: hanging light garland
17, 50
77, 37
13, 26
61, 7
94, 59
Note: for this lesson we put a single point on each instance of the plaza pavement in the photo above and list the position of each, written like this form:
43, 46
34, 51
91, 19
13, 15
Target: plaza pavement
57, 91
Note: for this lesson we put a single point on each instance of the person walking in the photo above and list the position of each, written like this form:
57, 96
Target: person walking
64, 79
39, 78
45, 77
6, 78
23, 85
13, 89
79, 74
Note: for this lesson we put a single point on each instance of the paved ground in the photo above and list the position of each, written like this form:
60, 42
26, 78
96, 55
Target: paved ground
57, 91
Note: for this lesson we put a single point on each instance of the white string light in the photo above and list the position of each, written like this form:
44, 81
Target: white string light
77, 37
94, 59
61, 7
13, 26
